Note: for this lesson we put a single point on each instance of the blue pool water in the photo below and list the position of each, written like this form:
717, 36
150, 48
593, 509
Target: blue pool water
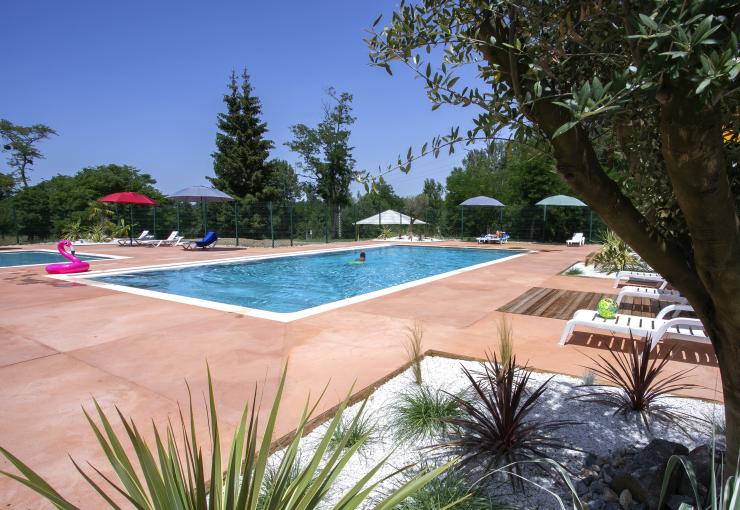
290, 284
30, 257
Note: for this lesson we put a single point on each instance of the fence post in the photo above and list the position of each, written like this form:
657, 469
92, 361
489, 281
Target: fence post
15, 222
236, 221
272, 230
462, 221
326, 223
290, 215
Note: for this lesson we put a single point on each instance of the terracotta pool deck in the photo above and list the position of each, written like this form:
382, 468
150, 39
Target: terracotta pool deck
62, 344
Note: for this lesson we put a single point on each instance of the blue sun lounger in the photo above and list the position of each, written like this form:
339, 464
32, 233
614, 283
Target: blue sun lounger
208, 241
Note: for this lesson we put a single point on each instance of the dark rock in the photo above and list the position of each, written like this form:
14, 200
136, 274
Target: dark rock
596, 504
642, 474
611, 505
701, 458
637, 506
625, 499
581, 488
675, 501
589, 460
609, 495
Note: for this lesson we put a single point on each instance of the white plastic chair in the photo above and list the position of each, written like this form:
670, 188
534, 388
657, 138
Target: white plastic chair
670, 296
642, 276
576, 240
680, 328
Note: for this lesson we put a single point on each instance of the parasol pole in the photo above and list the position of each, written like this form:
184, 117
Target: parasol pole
131, 229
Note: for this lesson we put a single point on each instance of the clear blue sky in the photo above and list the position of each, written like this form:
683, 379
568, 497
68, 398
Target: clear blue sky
141, 82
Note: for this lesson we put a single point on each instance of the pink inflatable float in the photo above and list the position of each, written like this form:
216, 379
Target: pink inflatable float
74, 265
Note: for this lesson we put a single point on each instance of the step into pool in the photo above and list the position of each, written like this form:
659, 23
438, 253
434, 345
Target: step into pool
298, 282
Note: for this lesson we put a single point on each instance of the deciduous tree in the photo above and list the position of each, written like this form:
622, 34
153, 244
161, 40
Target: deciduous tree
20, 142
326, 155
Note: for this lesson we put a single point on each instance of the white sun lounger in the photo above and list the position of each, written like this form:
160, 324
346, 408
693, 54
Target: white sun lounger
137, 240
577, 240
670, 296
173, 239
681, 328
642, 276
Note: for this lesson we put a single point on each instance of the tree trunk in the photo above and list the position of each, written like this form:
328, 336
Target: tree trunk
708, 271
22, 171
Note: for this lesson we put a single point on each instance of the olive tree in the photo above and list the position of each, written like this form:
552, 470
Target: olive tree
636, 100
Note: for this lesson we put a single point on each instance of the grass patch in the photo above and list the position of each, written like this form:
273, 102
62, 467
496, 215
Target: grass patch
574, 271
414, 350
588, 378
505, 340
451, 491
420, 413
353, 431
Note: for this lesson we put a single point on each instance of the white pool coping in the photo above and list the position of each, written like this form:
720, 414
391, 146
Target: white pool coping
105, 256
285, 317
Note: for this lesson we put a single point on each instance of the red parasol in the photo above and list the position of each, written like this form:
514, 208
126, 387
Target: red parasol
128, 197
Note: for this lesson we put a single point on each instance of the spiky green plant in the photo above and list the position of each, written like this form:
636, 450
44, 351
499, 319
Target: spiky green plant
73, 230
635, 382
505, 340
573, 271
614, 254
120, 229
495, 428
171, 475
385, 233
98, 232
453, 490
414, 349
420, 413
588, 378
359, 431
722, 496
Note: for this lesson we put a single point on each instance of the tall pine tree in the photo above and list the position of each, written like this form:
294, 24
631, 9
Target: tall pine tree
241, 149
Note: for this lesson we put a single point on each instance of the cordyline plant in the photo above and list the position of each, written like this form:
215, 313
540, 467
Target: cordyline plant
177, 477
495, 429
637, 101
635, 382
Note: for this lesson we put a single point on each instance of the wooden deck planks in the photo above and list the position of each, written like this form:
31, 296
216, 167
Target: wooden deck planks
552, 303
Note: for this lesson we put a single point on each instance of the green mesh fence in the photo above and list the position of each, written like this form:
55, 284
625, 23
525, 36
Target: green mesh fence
282, 223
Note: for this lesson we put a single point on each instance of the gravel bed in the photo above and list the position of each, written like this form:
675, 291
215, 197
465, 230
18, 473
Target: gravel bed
599, 432
590, 271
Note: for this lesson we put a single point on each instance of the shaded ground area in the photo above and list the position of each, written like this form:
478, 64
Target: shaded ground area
62, 343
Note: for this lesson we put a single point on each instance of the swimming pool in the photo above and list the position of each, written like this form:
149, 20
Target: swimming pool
303, 282
38, 257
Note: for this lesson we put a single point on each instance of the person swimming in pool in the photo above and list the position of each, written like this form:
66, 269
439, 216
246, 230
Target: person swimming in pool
361, 258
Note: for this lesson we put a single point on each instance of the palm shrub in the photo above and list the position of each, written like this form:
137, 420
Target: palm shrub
169, 475
635, 382
120, 229
420, 413
385, 233
73, 230
614, 255
494, 429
